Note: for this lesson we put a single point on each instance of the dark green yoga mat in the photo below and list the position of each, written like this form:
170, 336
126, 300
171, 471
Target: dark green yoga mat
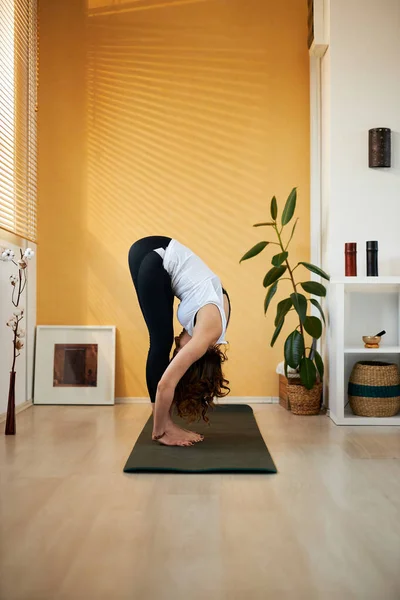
232, 444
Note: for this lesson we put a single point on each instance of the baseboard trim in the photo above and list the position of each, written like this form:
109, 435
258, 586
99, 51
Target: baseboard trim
128, 400
249, 400
18, 409
228, 400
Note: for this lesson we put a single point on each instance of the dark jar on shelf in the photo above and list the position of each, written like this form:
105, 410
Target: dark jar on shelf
372, 259
350, 254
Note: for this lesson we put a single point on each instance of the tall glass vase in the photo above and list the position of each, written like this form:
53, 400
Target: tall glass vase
10, 422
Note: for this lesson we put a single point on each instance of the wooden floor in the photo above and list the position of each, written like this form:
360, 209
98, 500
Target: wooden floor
73, 526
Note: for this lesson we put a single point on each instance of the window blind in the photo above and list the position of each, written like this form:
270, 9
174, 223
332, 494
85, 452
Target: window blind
18, 106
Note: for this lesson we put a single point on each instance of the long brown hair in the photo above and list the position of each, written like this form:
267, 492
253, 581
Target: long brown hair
202, 382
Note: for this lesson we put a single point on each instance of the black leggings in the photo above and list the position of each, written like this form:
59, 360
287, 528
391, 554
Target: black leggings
156, 300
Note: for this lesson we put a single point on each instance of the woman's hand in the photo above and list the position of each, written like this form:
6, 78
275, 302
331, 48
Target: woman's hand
168, 382
161, 415
165, 430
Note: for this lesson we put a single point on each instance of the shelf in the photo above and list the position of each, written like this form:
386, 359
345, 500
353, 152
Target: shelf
381, 350
368, 284
385, 280
357, 306
351, 419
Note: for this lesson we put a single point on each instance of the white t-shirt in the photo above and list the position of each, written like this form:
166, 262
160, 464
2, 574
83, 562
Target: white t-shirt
193, 283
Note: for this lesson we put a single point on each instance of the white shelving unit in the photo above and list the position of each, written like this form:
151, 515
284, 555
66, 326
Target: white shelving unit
360, 306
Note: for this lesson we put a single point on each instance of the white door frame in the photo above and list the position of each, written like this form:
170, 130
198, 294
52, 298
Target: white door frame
315, 161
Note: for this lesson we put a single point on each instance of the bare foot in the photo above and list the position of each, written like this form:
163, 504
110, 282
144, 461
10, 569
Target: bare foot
172, 438
198, 436
190, 431
175, 436
191, 435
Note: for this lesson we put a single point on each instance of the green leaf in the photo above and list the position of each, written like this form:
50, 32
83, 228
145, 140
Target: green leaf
264, 225
313, 326
278, 259
286, 370
277, 332
308, 372
315, 270
300, 304
291, 235
312, 287
282, 310
254, 250
273, 275
294, 349
270, 294
320, 364
317, 304
290, 206
274, 208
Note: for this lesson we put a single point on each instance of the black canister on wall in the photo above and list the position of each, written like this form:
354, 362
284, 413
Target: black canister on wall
379, 147
372, 259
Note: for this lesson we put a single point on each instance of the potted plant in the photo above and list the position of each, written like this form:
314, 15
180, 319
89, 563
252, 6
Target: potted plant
305, 398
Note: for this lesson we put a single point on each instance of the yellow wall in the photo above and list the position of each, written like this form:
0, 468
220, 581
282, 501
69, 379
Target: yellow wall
178, 118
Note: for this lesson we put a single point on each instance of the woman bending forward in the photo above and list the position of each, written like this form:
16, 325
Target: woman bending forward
162, 268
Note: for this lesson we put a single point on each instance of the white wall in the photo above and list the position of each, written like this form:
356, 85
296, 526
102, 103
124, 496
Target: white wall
24, 364
360, 90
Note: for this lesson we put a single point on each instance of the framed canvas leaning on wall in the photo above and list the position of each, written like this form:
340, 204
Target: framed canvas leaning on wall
74, 365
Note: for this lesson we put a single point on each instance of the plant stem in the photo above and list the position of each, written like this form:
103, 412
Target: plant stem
20, 290
290, 273
19, 286
15, 348
26, 280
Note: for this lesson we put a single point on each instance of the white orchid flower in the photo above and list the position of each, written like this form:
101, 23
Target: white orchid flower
29, 253
19, 344
18, 313
22, 264
21, 333
13, 279
12, 323
8, 255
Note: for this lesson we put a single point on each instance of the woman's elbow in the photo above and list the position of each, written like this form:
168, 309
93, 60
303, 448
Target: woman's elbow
165, 388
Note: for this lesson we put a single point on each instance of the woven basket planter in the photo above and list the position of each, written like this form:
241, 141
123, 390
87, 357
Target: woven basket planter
304, 401
374, 389
283, 389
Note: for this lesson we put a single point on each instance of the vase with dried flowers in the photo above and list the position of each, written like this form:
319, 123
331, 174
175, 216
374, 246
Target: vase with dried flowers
18, 283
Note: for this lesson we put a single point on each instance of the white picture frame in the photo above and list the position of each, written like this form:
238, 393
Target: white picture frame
74, 364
